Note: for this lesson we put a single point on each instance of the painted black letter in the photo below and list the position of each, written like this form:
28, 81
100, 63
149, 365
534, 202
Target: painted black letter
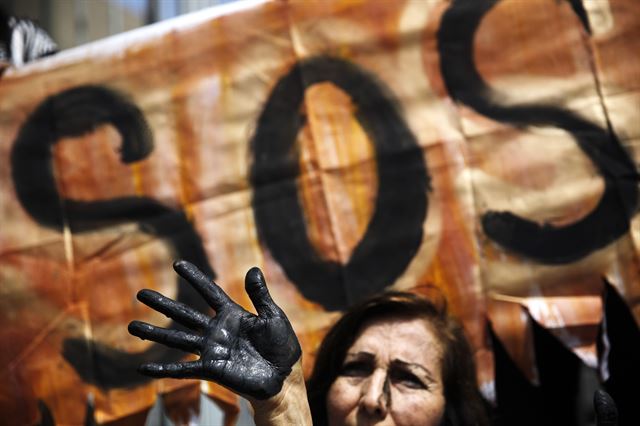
72, 113
544, 243
394, 232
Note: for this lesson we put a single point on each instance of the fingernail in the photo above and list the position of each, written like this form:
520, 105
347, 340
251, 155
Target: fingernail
136, 328
255, 274
143, 294
132, 328
178, 264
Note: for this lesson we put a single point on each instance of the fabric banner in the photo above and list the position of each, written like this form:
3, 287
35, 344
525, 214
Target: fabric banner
485, 151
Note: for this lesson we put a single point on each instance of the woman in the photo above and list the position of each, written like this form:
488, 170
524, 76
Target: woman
393, 360
399, 359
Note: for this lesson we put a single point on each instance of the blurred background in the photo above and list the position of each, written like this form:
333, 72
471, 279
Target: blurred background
74, 22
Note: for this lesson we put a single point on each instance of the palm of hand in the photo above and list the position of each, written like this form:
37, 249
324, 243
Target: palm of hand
251, 355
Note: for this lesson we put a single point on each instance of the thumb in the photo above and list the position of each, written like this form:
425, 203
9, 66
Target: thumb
256, 288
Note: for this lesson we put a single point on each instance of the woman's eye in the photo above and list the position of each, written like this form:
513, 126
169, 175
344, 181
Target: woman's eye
355, 369
407, 379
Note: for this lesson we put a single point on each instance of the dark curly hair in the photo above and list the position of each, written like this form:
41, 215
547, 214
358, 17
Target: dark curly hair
464, 405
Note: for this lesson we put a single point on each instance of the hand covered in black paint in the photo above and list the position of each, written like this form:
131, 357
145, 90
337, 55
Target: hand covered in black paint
251, 355
606, 411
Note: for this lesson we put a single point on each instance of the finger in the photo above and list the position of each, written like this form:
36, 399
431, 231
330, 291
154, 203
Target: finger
256, 288
202, 283
173, 338
176, 370
177, 311
606, 411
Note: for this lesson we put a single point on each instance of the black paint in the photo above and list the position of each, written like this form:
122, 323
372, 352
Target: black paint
578, 8
250, 354
73, 113
544, 242
394, 232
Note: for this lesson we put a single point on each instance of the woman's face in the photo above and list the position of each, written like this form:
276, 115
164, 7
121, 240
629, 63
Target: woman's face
391, 375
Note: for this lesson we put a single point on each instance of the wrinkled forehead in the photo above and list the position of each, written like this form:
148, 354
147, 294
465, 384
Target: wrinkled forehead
409, 338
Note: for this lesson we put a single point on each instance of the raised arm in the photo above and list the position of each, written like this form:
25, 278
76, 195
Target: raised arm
256, 356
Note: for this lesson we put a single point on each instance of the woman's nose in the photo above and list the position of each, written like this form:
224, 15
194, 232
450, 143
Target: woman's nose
376, 394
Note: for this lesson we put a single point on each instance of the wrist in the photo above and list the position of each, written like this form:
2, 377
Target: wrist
287, 407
